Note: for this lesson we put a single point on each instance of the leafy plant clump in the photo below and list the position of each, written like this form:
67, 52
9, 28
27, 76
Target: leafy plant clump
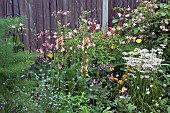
11, 66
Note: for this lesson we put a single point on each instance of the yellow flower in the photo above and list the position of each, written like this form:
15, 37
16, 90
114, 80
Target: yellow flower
120, 82
50, 55
138, 41
125, 76
111, 68
112, 47
116, 79
123, 90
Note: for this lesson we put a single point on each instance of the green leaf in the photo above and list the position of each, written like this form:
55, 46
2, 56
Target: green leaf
163, 13
107, 110
131, 107
168, 109
135, 31
114, 21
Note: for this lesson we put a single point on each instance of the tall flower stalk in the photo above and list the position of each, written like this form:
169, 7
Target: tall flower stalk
85, 46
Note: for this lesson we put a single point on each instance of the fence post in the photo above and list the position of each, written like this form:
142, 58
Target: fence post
105, 16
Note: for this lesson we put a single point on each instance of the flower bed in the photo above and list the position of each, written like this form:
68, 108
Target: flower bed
87, 71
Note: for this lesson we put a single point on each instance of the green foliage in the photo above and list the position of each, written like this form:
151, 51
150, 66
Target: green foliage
8, 25
9, 107
11, 66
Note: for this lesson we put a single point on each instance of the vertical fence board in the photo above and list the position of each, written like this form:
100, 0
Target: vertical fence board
53, 9
88, 4
93, 6
99, 11
2, 8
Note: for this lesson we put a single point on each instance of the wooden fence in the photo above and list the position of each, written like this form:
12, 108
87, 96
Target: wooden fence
39, 13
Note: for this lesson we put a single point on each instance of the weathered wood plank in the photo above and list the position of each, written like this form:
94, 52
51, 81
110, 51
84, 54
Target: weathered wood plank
2, 8
99, 11
94, 9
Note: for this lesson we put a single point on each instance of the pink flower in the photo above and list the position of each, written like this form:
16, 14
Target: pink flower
84, 20
122, 42
125, 25
42, 33
63, 49
59, 66
41, 50
89, 22
128, 9
140, 36
134, 39
119, 14
37, 50
151, 10
44, 44
51, 46
153, 33
55, 36
68, 24
79, 46
46, 32
127, 37
134, 24
41, 56
164, 28
140, 14
127, 15
135, 11
55, 33
92, 45
109, 33
39, 37
59, 12
71, 34
97, 26
142, 30
133, 19
65, 13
